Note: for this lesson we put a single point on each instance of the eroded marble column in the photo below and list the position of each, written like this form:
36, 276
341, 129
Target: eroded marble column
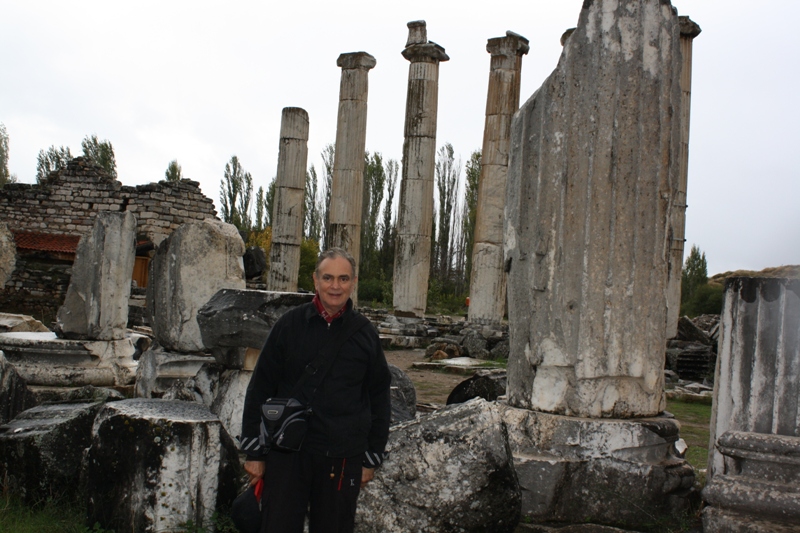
287, 209
347, 183
415, 217
754, 449
487, 289
689, 30
592, 183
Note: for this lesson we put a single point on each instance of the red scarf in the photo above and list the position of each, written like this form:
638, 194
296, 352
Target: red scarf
323, 313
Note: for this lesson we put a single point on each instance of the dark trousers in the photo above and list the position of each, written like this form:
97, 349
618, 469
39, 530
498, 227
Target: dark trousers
293, 482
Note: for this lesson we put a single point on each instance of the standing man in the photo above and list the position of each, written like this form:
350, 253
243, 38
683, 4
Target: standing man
349, 424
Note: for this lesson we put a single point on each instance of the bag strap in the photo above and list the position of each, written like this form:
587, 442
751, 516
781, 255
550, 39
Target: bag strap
324, 361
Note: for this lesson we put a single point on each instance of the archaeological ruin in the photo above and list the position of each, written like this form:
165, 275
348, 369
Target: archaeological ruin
579, 242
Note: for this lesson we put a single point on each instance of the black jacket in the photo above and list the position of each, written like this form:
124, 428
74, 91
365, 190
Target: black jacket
351, 407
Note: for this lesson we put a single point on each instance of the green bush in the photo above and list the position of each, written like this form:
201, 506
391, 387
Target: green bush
375, 290
706, 300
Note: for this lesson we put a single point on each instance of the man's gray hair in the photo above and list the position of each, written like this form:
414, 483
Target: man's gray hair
332, 253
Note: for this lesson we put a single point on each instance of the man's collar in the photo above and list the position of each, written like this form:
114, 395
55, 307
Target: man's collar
321, 311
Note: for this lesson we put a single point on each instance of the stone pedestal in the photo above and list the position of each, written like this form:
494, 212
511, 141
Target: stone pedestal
617, 472
689, 30
96, 304
287, 209
154, 465
347, 182
753, 466
591, 190
487, 290
415, 215
189, 267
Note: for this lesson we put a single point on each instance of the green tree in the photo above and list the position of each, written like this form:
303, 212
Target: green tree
313, 208
309, 251
236, 190
374, 181
388, 226
269, 201
5, 176
694, 274
101, 152
327, 162
469, 216
173, 172
447, 173
51, 160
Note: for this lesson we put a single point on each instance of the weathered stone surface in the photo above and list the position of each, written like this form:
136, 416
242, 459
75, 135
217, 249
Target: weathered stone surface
486, 384
403, 396
96, 305
591, 189
487, 291
450, 349
43, 359
687, 331
415, 214
160, 369
42, 448
475, 345
229, 399
234, 320
11, 323
8, 254
189, 267
15, 396
255, 262
287, 209
613, 472
448, 471
154, 465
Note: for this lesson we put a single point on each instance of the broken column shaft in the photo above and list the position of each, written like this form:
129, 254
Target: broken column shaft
689, 30
591, 188
347, 183
287, 210
415, 216
488, 284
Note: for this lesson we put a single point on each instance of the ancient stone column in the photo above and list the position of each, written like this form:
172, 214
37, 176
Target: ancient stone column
347, 183
592, 183
487, 291
689, 30
754, 449
415, 218
287, 208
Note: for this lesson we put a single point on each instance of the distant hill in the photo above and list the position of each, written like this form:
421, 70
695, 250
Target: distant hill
785, 271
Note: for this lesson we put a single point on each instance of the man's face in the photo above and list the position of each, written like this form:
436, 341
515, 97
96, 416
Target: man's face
334, 282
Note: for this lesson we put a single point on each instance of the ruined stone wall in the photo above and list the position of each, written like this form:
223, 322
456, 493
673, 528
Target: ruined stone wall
69, 200
67, 203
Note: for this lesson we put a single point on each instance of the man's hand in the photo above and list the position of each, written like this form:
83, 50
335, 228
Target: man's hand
366, 475
255, 469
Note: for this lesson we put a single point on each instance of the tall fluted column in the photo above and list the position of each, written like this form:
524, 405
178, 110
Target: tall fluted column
287, 209
592, 181
487, 288
689, 30
415, 218
347, 184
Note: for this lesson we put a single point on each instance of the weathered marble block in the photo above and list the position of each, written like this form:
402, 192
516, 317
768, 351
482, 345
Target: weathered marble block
15, 396
448, 471
96, 304
190, 266
153, 465
159, 369
41, 450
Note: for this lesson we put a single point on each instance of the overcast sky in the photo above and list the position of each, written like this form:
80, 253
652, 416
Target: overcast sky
201, 81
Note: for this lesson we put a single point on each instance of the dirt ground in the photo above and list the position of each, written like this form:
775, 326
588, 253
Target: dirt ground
432, 386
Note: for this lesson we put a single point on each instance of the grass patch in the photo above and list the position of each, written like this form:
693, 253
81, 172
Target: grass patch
52, 517
695, 419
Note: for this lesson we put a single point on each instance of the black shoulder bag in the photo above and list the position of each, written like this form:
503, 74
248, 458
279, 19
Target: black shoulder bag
284, 421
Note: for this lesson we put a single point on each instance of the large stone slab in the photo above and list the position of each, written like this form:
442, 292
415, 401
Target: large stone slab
448, 471
12, 323
234, 320
592, 183
15, 396
190, 266
154, 465
42, 448
229, 399
159, 370
43, 359
96, 304
623, 473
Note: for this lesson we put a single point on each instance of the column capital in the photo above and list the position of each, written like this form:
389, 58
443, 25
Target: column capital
511, 45
353, 60
689, 28
418, 48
